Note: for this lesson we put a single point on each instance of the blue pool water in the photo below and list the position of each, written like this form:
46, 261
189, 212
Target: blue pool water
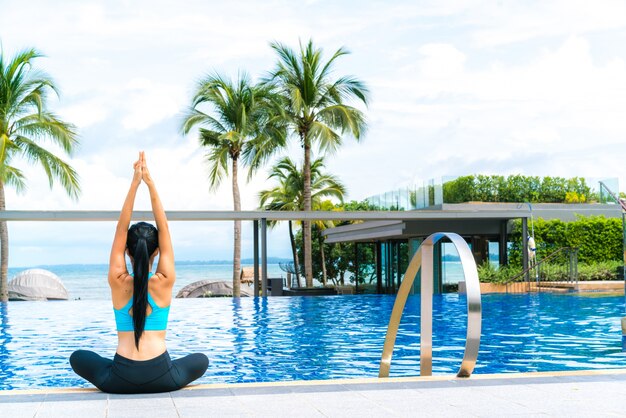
293, 338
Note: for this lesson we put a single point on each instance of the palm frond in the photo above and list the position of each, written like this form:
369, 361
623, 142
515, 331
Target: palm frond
342, 90
326, 69
23, 88
54, 167
14, 177
217, 160
21, 59
259, 150
47, 126
288, 61
212, 139
345, 118
328, 186
329, 140
195, 117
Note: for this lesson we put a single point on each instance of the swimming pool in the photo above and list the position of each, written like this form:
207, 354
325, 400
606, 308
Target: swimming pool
304, 338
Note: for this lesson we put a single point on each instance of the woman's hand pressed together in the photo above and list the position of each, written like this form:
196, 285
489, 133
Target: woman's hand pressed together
145, 173
138, 171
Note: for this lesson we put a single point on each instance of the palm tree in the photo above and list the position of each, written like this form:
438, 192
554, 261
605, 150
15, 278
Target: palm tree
316, 111
289, 195
240, 125
26, 126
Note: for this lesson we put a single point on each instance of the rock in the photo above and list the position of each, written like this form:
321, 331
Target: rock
208, 288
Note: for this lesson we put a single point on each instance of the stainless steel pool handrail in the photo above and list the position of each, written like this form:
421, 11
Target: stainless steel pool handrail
474, 310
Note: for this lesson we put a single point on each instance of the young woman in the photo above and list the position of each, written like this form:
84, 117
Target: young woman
141, 304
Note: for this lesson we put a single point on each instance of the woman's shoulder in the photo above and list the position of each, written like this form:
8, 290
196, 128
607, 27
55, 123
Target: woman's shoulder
119, 277
164, 277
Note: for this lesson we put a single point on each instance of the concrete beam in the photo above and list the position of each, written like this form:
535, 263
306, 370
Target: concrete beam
102, 215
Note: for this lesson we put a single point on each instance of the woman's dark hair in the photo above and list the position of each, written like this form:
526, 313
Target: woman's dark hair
142, 241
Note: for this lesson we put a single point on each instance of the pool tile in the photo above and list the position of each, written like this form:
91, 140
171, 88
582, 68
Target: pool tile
395, 395
157, 397
484, 397
79, 396
421, 406
73, 409
202, 393
206, 412
215, 407
318, 388
397, 385
8, 397
326, 401
153, 405
19, 410
479, 402
280, 405
260, 390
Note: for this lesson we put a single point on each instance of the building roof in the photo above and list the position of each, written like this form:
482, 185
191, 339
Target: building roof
474, 218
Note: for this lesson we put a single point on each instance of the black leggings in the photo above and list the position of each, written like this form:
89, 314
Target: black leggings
122, 375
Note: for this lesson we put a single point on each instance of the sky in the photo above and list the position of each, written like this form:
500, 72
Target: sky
457, 88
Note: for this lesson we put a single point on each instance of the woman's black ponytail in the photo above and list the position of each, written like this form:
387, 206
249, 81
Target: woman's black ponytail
142, 241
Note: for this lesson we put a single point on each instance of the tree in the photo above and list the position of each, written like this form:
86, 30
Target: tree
316, 111
321, 225
289, 195
340, 259
26, 125
241, 124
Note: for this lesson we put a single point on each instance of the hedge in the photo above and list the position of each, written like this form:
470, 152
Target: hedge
597, 238
517, 188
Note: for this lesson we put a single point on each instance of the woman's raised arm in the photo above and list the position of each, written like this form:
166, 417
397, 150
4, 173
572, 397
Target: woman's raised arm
117, 261
165, 269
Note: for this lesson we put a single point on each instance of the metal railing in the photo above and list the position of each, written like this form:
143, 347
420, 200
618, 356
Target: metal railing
558, 268
423, 259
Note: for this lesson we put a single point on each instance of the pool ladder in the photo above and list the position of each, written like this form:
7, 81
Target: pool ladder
474, 311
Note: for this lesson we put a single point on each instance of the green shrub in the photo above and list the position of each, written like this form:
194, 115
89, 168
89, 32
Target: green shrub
487, 273
608, 270
597, 238
516, 188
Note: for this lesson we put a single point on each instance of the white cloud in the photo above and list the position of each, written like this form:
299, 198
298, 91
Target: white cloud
509, 22
147, 103
85, 113
441, 61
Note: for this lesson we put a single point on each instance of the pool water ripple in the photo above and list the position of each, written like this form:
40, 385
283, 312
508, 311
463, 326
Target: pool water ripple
294, 338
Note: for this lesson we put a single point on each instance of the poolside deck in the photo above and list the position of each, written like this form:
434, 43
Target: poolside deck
583, 393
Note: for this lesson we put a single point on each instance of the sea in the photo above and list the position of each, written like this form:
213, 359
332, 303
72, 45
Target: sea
89, 281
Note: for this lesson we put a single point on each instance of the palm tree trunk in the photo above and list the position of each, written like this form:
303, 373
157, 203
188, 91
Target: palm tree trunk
306, 225
296, 263
4, 251
323, 260
237, 246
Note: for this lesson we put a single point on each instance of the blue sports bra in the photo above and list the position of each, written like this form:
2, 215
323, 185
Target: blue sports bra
156, 321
